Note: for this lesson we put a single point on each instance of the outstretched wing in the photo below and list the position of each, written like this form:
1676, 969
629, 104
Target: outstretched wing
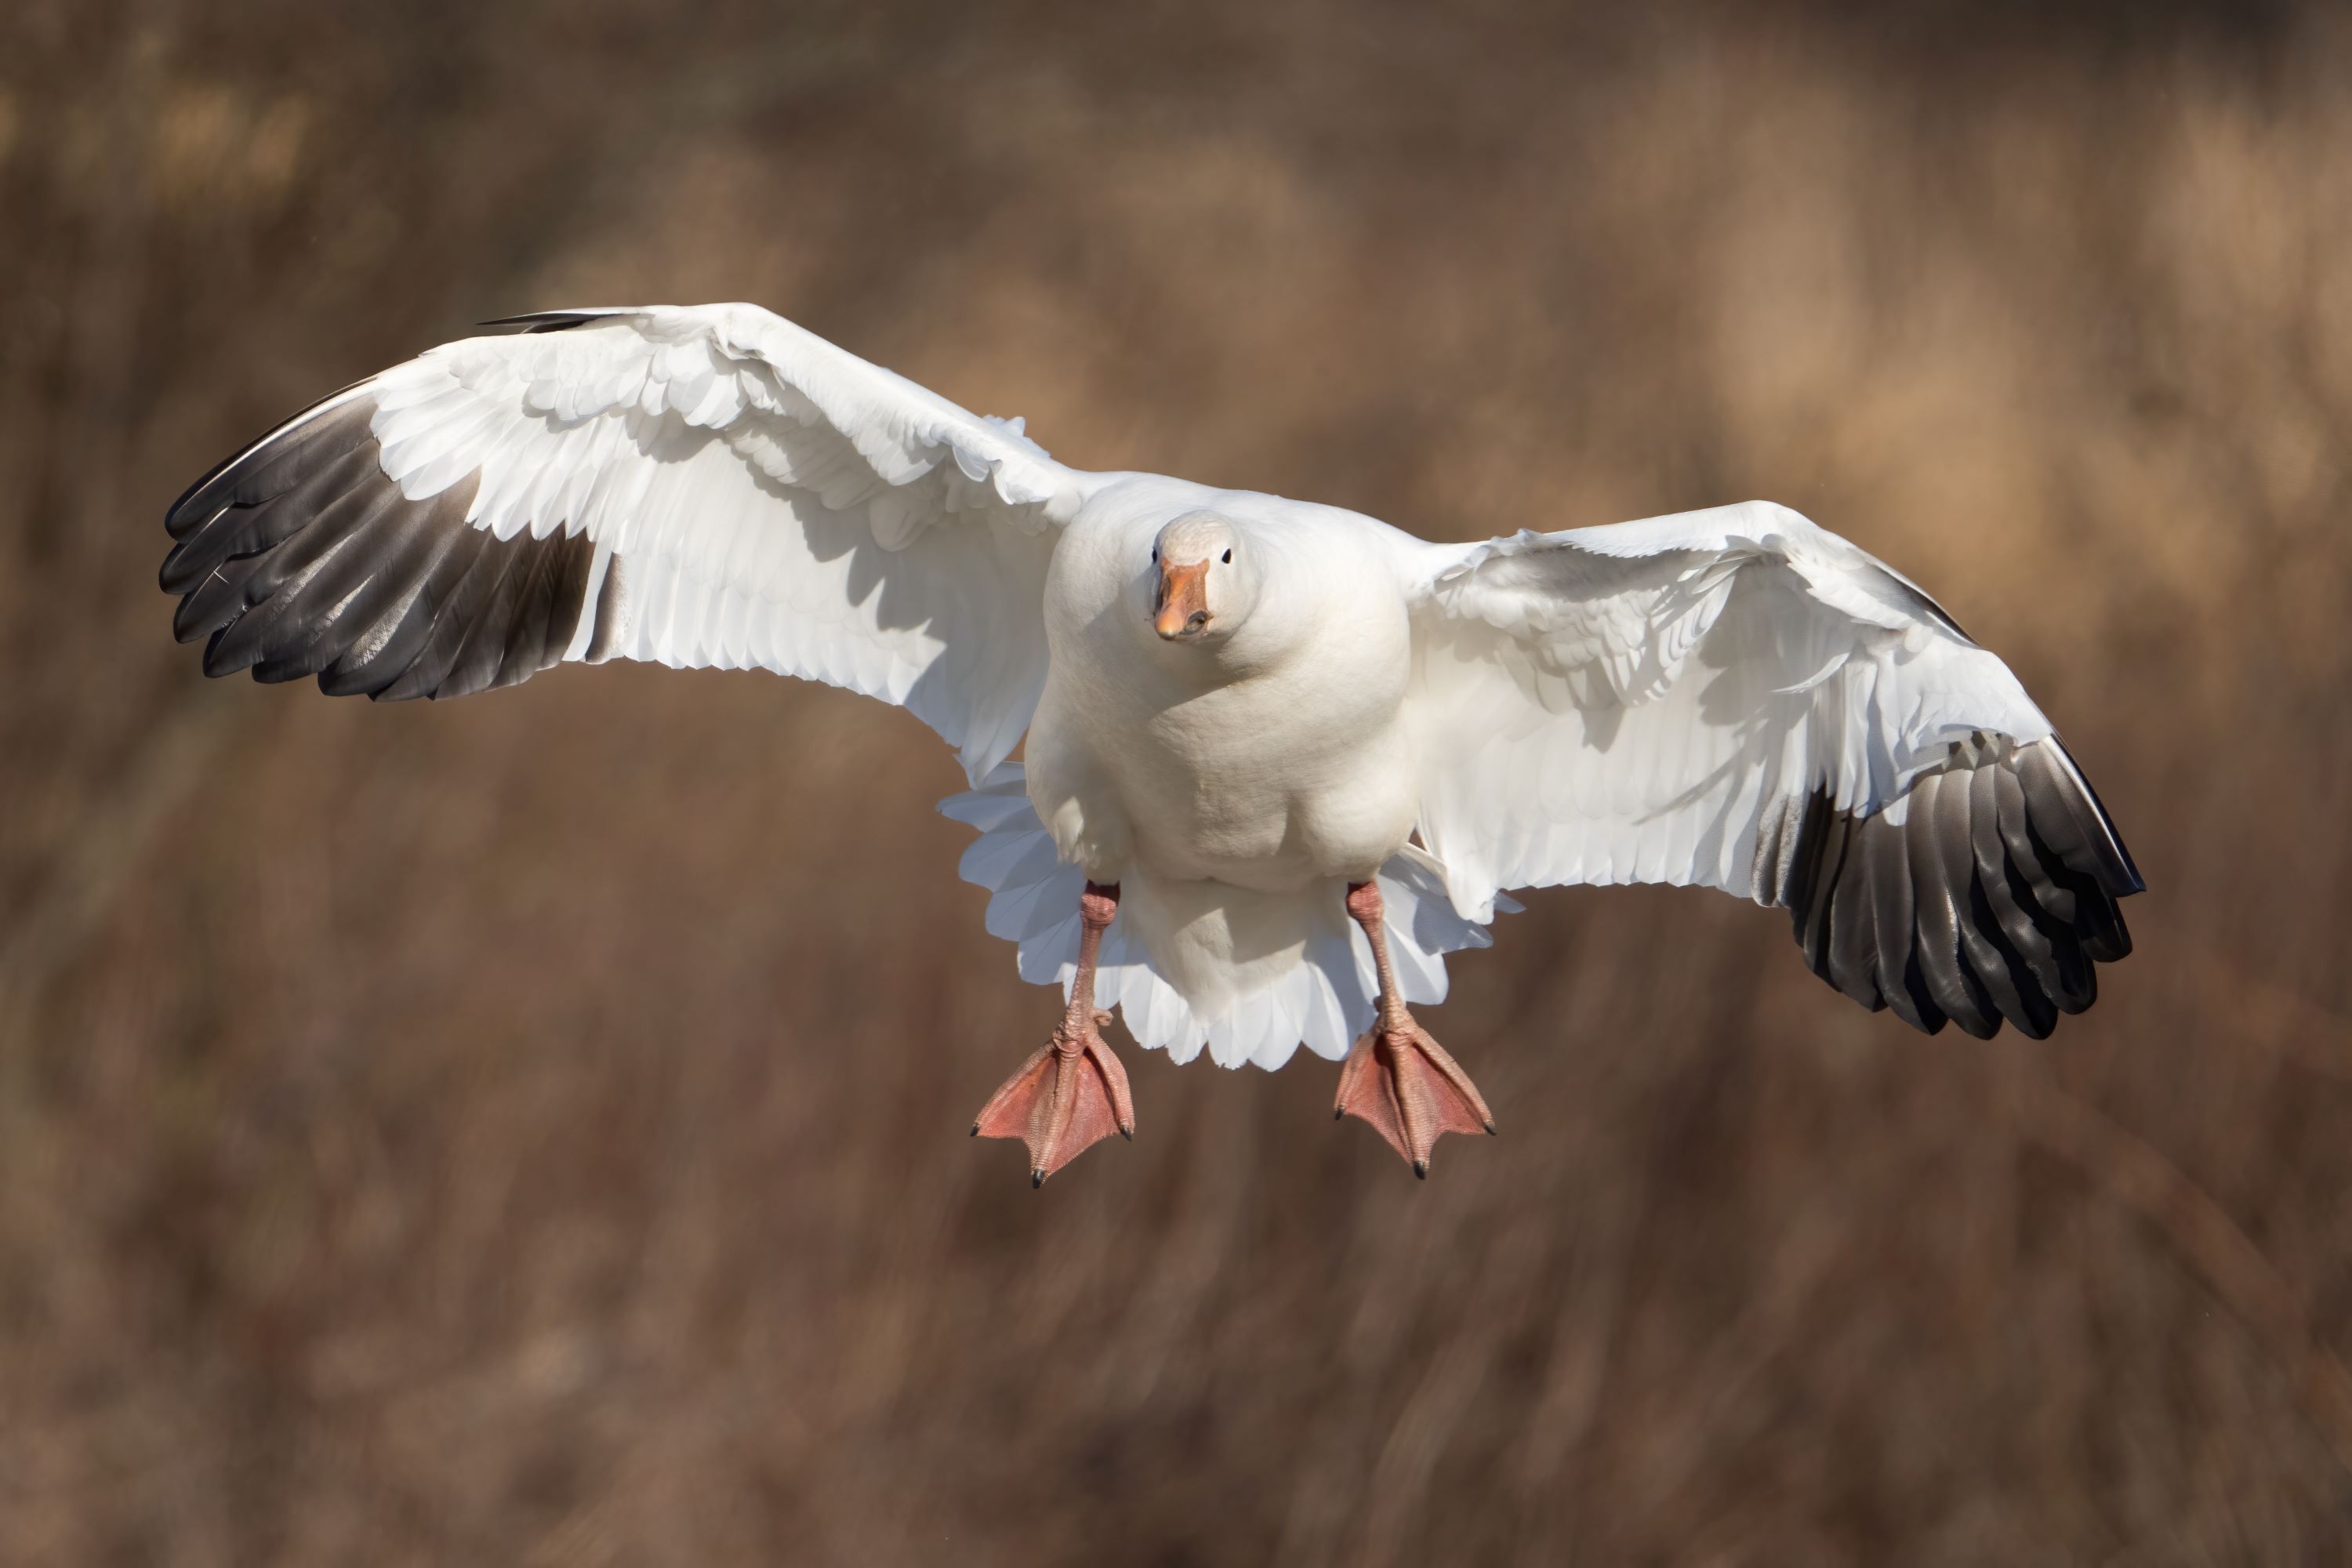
696, 486
1738, 699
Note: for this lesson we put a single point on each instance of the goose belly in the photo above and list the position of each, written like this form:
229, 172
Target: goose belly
1266, 784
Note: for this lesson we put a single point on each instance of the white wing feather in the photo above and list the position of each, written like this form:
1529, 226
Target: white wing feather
1649, 701
773, 502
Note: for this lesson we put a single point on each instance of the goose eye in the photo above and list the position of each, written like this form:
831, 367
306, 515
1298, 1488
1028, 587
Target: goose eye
1155, 555
1229, 557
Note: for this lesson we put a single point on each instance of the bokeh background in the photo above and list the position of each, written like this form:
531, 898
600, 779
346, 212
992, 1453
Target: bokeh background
531, 1130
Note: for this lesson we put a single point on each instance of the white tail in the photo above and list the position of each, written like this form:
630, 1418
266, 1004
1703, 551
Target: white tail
1251, 976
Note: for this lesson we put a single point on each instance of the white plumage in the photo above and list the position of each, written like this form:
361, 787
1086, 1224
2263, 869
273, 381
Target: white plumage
1733, 697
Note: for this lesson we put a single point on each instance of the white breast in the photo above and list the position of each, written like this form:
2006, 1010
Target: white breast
1268, 761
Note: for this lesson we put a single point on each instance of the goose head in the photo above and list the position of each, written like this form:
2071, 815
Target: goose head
1205, 580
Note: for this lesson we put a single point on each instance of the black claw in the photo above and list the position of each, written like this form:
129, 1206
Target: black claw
1490, 1130
1420, 1169
1037, 1180
1339, 1112
1128, 1134
975, 1129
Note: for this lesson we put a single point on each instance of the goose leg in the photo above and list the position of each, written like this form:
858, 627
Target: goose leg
1397, 1077
1073, 1093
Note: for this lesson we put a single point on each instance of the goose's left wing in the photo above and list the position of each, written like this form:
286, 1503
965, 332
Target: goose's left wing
705, 485
1738, 699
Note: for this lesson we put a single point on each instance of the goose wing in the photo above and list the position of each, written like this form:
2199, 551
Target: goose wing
693, 486
1738, 699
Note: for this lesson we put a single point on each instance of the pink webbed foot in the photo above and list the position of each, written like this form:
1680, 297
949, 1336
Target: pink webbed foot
1411, 1090
1068, 1097
1397, 1077
1073, 1093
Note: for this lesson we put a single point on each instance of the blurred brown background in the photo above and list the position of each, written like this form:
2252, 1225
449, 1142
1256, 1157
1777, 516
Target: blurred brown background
533, 1130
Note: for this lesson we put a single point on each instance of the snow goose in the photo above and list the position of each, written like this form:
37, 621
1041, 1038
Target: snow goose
1281, 758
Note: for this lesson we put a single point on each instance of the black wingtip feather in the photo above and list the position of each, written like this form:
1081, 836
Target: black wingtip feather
181, 517
1991, 896
2122, 855
300, 556
549, 321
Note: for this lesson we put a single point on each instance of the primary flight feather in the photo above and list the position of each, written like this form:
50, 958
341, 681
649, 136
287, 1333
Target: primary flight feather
1280, 758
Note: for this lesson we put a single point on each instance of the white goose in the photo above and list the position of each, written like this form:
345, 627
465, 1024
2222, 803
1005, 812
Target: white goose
1256, 728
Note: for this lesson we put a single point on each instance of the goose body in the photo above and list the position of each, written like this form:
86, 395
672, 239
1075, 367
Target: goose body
1257, 761
1279, 757
1230, 790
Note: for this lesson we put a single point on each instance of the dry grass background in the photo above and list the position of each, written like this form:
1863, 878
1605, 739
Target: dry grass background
531, 1130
